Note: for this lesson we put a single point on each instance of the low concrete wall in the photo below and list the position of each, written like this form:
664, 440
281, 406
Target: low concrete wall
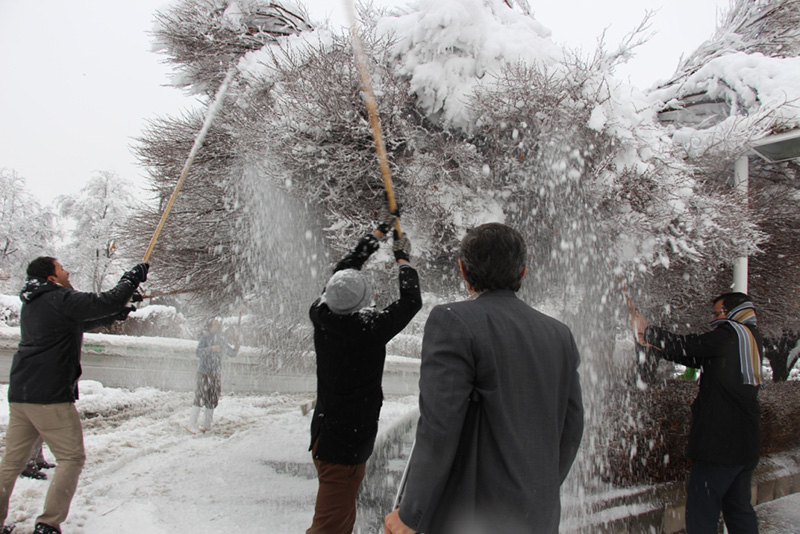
171, 364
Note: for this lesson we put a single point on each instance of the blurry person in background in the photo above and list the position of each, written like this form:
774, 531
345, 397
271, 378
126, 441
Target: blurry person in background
210, 350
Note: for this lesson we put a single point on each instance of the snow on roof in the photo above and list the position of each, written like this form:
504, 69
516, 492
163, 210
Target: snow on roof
741, 84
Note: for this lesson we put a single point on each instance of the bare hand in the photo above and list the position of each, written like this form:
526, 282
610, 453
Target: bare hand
392, 524
638, 322
639, 325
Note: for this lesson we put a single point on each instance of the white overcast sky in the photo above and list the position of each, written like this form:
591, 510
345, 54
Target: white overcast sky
79, 80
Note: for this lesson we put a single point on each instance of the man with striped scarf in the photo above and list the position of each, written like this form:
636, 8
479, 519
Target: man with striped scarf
724, 440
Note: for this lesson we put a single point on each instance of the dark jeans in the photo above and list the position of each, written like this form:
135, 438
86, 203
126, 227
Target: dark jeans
719, 488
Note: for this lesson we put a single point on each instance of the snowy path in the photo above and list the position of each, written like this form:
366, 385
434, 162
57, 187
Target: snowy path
146, 474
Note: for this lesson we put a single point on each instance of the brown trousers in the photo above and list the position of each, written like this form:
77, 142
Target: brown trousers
60, 426
335, 511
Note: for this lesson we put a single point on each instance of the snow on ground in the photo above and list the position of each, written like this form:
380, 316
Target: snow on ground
146, 474
781, 516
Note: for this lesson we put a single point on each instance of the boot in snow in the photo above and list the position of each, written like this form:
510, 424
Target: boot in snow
8, 529
207, 416
308, 406
44, 464
193, 419
31, 471
41, 528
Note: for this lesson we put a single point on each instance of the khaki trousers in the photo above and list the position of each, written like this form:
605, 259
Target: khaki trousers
60, 427
335, 511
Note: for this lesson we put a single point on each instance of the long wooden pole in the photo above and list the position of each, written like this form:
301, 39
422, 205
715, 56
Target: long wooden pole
198, 141
372, 111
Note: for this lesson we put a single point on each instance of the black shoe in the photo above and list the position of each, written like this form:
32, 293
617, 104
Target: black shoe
44, 465
41, 528
32, 472
8, 529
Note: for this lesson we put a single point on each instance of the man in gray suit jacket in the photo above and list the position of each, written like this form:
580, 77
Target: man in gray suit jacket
501, 415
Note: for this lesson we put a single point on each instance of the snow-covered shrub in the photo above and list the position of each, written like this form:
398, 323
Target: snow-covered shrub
10, 307
484, 119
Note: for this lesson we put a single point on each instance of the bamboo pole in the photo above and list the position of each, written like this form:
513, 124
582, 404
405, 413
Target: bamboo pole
372, 111
198, 141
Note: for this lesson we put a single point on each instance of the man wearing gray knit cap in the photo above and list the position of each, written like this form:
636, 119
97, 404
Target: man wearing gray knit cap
350, 337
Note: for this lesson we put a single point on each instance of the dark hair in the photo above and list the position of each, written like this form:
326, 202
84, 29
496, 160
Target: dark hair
494, 257
731, 300
42, 267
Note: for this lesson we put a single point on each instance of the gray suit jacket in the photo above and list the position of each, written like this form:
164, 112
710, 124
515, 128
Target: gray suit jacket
524, 366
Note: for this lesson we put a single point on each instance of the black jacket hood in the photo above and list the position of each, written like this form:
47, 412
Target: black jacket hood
35, 287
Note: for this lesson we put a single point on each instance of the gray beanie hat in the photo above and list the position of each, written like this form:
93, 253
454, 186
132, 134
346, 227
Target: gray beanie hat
347, 291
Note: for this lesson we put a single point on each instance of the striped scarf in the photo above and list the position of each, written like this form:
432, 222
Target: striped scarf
749, 356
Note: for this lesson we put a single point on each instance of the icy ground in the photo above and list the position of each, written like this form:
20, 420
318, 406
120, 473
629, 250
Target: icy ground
146, 474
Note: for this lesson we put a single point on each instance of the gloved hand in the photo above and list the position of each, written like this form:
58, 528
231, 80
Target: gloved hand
401, 247
122, 315
137, 274
387, 218
137, 296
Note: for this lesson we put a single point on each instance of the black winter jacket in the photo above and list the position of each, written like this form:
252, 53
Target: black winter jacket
726, 420
47, 364
351, 350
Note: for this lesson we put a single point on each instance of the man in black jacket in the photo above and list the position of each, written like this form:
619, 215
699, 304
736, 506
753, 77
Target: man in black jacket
724, 439
43, 384
350, 340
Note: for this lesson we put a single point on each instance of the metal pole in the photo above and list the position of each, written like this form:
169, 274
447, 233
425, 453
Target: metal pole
741, 179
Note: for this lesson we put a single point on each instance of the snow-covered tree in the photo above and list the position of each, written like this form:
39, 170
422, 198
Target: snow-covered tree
204, 38
740, 85
200, 248
26, 230
98, 214
196, 248
479, 127
484, 118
